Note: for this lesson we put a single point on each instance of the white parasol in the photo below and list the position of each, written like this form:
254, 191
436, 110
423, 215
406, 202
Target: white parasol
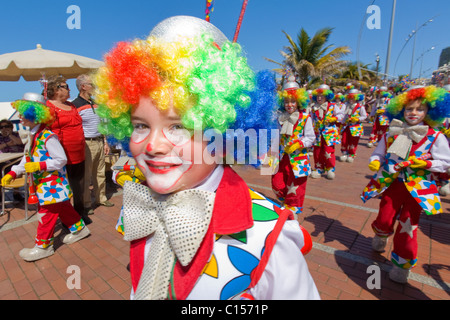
35, 64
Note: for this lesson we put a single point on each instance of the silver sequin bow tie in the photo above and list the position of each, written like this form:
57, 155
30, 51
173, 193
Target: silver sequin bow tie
321, 108
287, 122
178, 224
406, 135
349, 109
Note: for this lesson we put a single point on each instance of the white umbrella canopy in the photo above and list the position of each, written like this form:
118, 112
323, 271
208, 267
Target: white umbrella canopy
33, 65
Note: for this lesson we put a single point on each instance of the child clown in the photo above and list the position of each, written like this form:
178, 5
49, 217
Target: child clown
381, 121
352, 128
324, 118
405, 159
48, 170
196, 230
339, 107
296, 135
444, 178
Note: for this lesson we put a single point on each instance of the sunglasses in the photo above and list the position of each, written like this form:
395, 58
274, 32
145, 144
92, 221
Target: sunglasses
65, 86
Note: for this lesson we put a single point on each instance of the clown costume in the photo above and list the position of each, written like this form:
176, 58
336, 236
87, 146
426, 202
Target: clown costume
404, 161
46, 164
178, 101
297, 134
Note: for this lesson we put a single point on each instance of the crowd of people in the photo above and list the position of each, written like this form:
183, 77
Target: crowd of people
196, 230
411, 157
66, 155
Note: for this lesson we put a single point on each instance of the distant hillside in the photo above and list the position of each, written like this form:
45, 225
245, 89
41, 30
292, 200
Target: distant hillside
444, 57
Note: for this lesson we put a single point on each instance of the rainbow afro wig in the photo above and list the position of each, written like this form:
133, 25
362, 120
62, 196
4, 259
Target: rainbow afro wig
339, 97
354, 94
34, 111
323, 90
436, 99
209, 84
349, 86
299, 94
385, 94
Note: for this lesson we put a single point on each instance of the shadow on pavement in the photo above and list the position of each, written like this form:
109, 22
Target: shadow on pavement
355, 261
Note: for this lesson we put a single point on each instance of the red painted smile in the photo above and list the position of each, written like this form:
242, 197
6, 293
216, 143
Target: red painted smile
161, 167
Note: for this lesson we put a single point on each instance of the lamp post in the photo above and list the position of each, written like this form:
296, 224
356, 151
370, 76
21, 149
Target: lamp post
358, 62
421, 58
413, 50
410, 36
388, 58
378, 65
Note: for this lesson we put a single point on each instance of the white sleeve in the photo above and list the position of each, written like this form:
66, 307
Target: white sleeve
363, 114
308, 134
380, 151
56, 161
339, 113
57, 154
114, 176
286, 276
19, 169
440, 152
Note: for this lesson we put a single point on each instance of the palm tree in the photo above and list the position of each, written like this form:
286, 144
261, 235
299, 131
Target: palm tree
310, 58
351, 73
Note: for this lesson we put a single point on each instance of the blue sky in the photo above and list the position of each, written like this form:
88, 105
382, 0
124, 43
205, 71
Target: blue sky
26, 23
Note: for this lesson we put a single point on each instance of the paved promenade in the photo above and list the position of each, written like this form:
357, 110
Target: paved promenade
340, 262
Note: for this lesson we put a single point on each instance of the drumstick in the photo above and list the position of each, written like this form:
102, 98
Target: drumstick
32, 199
126, 167
407, 163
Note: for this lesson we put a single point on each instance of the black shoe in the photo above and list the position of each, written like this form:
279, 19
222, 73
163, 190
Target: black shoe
86, 219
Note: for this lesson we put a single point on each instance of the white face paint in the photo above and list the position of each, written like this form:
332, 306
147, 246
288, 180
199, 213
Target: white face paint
165, 151
415, 112
163, 174
290, 105
321, 99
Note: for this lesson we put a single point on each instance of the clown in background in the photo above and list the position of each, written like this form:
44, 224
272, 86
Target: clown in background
349, 86
180, 100
352, 130
296, 135
47, 166
381, 121
444, 178
339, 107
370, 101
324, 118
311, 102
404, 160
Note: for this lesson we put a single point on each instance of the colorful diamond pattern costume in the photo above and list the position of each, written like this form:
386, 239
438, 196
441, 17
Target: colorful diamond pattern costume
419, 182
299, 159
51, 187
